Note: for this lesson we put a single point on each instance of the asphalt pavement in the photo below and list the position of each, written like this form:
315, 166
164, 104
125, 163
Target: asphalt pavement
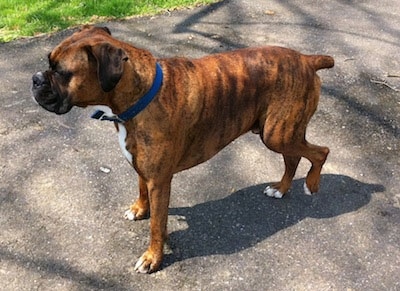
64, 184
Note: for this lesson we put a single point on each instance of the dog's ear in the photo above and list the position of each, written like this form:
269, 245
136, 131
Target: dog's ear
88, 26
106, 29
110, 64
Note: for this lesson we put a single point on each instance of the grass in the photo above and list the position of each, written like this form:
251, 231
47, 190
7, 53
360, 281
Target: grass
24, 18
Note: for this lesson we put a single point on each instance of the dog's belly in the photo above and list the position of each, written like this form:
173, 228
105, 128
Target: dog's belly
198, 155
208, 142
204, 141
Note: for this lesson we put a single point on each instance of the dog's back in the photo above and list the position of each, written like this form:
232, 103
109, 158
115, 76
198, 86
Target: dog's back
223, 96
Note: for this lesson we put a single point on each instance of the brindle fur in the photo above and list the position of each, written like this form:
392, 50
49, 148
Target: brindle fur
202, 106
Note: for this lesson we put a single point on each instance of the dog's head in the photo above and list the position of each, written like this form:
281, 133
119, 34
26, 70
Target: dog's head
83, 69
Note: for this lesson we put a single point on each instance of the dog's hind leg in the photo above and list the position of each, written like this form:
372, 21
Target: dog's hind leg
277, 190
292, 153
317, 156
284, 132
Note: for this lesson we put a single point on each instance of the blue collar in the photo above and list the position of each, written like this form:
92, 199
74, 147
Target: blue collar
138, 106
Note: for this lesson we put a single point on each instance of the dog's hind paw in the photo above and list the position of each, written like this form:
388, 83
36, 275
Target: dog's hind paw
272, 192
129, 215
306, 190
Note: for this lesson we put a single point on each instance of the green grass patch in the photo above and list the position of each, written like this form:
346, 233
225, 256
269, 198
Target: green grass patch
23, 18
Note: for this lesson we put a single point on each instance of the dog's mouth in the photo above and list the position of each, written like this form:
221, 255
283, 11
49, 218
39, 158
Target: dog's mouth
48, 96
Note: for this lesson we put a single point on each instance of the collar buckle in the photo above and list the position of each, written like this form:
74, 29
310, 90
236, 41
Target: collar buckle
101, 115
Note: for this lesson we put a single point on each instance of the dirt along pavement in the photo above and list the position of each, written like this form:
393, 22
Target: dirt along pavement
65, 185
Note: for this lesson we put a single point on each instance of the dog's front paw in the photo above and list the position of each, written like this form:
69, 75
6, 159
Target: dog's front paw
148, 263
129, 215
132, 215
272, 192
135, 212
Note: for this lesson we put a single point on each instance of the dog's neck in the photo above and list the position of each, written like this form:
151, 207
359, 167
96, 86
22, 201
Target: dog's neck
136, 108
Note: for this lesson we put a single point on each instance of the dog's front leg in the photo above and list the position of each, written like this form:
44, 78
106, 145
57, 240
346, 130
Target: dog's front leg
159, 193
140, 209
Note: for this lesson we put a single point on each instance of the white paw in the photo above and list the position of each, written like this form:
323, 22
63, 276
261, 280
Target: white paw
272, 192
140, 266
129, 215
306, 190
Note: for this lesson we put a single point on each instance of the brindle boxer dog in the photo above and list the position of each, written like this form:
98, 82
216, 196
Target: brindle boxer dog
175, 113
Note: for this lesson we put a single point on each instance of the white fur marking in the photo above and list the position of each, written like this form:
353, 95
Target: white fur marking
129, 215
306, 190
272, 192
139, 268
121, 132
122, 143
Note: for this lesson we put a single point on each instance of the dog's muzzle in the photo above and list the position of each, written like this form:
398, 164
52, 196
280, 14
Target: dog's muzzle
47, 95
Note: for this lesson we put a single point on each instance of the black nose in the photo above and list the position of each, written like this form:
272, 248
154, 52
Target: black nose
38, 80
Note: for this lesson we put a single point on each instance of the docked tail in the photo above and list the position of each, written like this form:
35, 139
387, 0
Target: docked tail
321, 62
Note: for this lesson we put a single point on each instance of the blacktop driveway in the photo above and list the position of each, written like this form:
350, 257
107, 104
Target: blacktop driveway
64, 184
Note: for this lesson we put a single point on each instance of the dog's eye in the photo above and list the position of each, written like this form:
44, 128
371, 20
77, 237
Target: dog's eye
63, 75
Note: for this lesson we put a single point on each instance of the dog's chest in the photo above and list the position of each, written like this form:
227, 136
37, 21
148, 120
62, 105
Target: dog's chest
122, 142
122, 133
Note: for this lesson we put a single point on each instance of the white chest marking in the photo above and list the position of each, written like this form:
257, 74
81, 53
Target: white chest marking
121, 132
122, 142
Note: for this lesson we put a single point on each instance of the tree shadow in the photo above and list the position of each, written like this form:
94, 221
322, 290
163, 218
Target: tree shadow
246, 217
188, 25
62, 269
375, 114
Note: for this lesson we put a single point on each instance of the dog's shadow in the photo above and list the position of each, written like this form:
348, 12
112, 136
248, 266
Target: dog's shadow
247, 217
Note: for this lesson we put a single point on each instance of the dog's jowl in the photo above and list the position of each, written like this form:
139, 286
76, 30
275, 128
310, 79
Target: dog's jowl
175, 113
